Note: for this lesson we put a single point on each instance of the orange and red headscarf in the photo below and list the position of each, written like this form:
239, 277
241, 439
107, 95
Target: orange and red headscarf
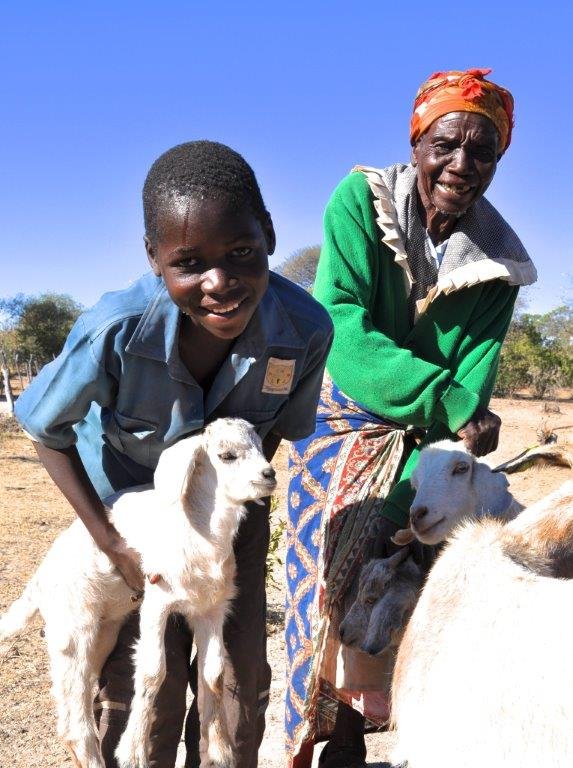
467, 91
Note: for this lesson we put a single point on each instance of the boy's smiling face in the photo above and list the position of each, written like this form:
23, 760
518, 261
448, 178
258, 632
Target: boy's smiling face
213, 258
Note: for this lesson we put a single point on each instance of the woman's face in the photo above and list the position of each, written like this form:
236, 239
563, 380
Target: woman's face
456, 159
213, 259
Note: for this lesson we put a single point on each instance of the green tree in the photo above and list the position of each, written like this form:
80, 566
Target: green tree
10, 311
513, 372
557, 324
300, 266
537, 353
8, 341
43, 323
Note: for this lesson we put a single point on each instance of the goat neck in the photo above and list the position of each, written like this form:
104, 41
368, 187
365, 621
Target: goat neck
209, 510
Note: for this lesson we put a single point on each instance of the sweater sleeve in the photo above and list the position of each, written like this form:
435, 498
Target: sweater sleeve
367, 363
477, 358
475, 368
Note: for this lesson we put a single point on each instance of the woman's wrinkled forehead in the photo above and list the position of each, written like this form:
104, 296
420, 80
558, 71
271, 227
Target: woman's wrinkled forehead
469, 91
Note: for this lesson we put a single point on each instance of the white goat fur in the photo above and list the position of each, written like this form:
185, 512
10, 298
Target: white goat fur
484, 673
183, 529
452, 485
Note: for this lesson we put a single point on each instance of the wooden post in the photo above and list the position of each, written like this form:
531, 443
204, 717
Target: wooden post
6, 379
19, 372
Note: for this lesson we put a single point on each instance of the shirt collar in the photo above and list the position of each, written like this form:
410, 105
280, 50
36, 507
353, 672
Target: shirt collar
156, 334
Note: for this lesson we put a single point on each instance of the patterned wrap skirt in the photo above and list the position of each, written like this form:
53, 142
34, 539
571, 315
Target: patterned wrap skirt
339, 478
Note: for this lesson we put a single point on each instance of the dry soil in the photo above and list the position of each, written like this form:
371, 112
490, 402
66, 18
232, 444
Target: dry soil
32, 513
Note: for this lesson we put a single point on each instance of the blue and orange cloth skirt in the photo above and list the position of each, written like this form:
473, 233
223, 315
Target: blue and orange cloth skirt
340, 477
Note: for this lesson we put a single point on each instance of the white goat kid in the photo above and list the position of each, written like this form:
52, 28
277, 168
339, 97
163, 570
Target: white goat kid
183, 529
452, 485
484, 672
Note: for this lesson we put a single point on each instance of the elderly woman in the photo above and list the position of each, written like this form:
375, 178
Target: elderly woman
420, 274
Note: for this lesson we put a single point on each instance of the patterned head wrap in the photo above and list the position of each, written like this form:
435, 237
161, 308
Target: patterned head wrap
467, 91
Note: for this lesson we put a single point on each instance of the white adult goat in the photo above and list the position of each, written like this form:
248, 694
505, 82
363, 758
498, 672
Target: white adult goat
183, 528
484, 673
452, 485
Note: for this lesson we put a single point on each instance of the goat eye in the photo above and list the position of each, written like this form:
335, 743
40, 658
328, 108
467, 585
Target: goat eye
370, 601
461, 468
228, 456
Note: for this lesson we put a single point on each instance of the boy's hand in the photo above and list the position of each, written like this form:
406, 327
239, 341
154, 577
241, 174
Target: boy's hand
127, 562
481, 433
67, 471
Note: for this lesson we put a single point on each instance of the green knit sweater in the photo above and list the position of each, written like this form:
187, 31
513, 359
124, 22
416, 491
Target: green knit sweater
431, 375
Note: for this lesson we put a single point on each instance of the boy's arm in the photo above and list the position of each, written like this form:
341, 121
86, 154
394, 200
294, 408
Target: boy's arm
297, 417
270, 445
67, 471
59, 397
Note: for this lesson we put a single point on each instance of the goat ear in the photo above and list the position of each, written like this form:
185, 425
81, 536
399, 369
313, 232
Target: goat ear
492, 494
403, 537
391, 621
175, 468
394, 560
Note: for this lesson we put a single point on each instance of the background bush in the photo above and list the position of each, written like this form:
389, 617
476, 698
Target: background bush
37, 326
537, 354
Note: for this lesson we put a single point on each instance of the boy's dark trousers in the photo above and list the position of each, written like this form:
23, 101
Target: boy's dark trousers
247, 674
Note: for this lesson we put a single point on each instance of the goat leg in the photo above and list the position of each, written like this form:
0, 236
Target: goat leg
215, 748
72, 680
132, 750
68, 745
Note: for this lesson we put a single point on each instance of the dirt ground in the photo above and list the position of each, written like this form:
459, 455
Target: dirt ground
32, 513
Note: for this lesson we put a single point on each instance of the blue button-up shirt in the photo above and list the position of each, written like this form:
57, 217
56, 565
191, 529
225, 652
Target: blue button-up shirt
120, 391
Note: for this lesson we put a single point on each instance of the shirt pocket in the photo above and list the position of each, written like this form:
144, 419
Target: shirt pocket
132, 436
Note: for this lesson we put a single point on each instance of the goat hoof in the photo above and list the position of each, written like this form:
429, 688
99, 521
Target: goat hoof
220, 757
130, 756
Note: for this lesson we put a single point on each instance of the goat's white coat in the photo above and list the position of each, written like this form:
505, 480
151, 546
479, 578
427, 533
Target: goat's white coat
183, 528
484, 674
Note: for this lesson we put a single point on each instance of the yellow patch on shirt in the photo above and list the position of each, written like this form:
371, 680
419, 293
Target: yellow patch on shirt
279, 376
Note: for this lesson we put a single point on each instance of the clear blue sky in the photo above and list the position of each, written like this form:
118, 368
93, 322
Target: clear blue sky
92, 92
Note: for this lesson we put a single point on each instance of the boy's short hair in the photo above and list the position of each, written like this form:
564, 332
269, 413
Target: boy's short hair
204, 170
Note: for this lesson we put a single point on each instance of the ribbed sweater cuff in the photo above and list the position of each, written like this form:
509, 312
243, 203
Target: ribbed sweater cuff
456, 406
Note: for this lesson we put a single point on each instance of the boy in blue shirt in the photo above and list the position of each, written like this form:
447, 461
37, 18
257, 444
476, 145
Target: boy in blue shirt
210, 332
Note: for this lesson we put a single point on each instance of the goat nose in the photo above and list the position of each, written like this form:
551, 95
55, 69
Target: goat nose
417, 513
269, 473
371, 648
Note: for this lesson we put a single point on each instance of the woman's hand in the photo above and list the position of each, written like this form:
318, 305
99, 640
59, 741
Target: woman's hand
481, 433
